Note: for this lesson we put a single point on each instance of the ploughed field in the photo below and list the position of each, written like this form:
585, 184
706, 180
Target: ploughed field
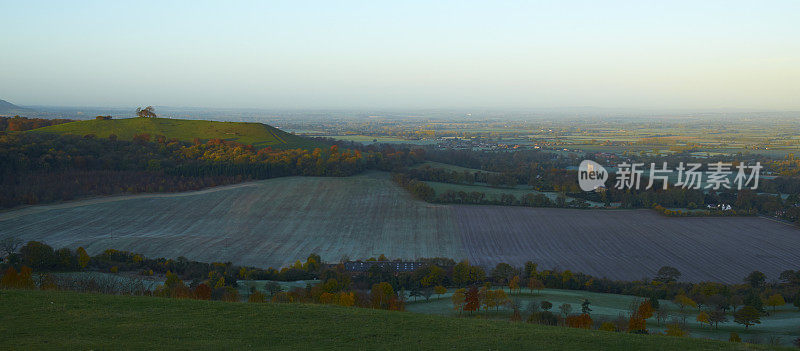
278, 221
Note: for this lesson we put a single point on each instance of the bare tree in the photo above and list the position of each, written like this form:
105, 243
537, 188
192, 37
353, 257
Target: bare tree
9, 245
661, 314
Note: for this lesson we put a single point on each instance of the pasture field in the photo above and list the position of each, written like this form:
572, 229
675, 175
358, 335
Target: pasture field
495, 193
273, 223
96, 321
256, 134
785, 324
449, 167
368, 139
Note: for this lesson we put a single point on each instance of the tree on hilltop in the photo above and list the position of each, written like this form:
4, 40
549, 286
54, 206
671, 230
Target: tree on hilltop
147, 112
667, 274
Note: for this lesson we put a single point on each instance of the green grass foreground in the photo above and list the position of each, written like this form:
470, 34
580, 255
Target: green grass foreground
67, 320
256, 134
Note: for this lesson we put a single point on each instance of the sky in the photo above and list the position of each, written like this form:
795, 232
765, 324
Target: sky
402, 54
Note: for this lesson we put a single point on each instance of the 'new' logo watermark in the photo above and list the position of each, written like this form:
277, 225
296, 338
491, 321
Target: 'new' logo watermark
591, 175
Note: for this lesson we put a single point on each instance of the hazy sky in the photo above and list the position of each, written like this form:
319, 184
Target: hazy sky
402, 54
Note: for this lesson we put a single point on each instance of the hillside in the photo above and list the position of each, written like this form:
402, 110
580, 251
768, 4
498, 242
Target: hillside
256, 134
67, 320
277, 221
9, 109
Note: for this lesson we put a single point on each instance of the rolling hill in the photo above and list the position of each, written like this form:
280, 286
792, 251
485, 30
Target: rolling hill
67, 320
256, 134
9, 109
277, 221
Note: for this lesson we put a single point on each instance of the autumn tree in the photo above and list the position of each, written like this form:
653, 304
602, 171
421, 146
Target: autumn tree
582, 320
535, 284
530, 269
608, 326
704, 318
9, 279
458, 299
747, 316
202, 292
256, 296
346, 298
173, 287
684, 301
502, 273
645, 310
676, 329
734, 337
775, 301
465, 274
472, 299
637, 324
440, 290
25, 278
641, 311
83, 257
381, 295
500, 298
488, 298
546, 305
513, 283
435, 276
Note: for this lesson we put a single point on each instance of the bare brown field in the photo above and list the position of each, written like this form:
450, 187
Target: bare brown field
277, 221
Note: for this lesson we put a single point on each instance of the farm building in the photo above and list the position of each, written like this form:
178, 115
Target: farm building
396, 266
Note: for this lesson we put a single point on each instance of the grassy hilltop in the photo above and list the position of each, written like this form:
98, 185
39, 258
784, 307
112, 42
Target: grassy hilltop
67, 320
256, 134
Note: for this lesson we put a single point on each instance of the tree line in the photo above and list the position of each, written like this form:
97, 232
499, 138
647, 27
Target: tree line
41, 168
382, 287
17, 123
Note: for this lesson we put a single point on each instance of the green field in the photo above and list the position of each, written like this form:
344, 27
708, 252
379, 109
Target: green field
448, 167
368, 139
495, 193
785, 324
66, 320
256, 134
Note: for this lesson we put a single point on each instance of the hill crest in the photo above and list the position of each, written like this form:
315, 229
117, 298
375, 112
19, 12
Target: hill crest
9, 109
257, 134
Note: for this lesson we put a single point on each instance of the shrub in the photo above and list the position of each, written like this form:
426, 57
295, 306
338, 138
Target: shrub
544, 318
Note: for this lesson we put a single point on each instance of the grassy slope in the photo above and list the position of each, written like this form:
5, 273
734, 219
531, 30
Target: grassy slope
66, 320
605, 307
256, 134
